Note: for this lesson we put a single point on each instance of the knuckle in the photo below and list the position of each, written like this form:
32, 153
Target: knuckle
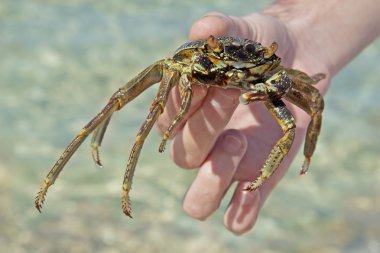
187, 161
233, 142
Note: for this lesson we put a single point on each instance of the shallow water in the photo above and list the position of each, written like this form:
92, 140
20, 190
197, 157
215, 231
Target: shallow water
60, 62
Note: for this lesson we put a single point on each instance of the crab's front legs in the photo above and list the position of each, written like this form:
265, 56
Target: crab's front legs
282, 147
271, 92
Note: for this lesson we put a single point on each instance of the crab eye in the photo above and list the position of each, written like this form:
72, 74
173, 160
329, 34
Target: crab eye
250, 48
215, 44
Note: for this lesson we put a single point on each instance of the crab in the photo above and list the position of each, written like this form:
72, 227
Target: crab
223, 62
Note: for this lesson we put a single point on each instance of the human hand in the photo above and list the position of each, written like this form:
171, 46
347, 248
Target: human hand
229, 142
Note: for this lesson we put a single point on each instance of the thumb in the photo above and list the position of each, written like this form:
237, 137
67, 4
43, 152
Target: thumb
258, 27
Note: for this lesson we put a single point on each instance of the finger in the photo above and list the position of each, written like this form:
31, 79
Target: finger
245, 206
193, 143
215, 175
219, 24
272, 182
262, 28
242, 212
267, 29
262, 132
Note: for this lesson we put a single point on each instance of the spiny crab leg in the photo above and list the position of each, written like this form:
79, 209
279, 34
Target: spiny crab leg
282, 147
49, 180
125, 94
138, 84
186, 95
168, 81
310, 100
270, 92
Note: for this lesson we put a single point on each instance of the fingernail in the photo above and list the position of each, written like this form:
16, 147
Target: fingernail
245, 213
232, 145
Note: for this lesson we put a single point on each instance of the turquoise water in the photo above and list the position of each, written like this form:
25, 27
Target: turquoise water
60, 62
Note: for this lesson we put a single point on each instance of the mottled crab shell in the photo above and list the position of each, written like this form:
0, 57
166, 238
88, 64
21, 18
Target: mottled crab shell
234, 49
224, 40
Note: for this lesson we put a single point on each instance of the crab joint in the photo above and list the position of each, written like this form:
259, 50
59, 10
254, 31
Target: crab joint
269, 51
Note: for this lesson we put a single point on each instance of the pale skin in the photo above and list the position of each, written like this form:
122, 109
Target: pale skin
229, 142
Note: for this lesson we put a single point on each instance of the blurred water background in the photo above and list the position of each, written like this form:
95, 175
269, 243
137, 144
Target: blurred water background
60, 61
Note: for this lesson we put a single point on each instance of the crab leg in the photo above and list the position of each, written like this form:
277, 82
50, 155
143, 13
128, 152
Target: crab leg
310, 100
132, 89
269, 92
168, 81
282, 147
186, 94
302, 76
96, 140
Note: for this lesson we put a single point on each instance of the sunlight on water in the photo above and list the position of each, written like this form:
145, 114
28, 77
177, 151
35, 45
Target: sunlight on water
61, 60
